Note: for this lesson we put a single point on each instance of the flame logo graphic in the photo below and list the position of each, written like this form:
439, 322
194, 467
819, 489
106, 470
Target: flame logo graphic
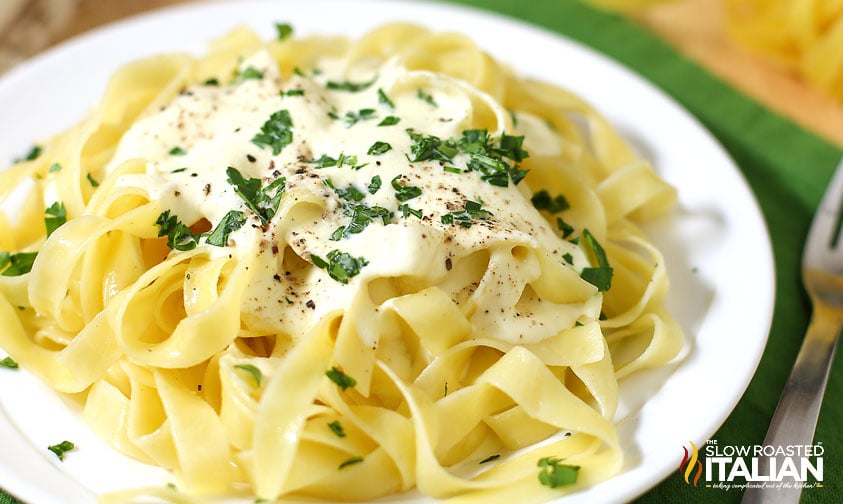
690, 464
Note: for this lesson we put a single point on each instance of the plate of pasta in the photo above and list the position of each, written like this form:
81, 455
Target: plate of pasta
270, 255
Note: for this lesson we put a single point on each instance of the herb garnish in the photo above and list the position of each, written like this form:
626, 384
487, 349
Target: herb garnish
353, 117
374, 184
402, 192
378, 148
252, 371
342, 380
425, 97
340, 266
601, 276
429, 147
16, 264
490, 458
179, 236
490, 159
232, 221
472, 210
543, 201
92, 181
554, 474
283, 30
177, 151
382, 98
56, 216
326, 161
9, 363
259, 200
352, 87
336, 428
31, 155
276, 132
55, 167
250, 72
389, 121
406, 211
61, 449
351, 461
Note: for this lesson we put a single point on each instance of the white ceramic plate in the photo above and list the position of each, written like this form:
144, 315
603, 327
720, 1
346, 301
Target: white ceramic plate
716, 244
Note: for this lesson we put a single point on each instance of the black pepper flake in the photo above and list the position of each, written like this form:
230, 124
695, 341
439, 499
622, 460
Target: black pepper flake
310, 304
251, 158
276, 277
194, 174
448, 264
207, 189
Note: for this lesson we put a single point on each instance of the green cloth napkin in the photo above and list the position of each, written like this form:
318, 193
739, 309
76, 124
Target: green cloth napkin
787, 168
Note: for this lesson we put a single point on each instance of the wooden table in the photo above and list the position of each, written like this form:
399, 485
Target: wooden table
694, 27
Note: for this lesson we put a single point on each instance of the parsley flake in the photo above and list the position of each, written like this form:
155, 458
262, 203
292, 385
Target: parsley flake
600, 276
554, 474
554, 205
402, 192
61, 449
425, 97
9, 363
351, 461
16, 264
336, 428
342, 380
56, 216
283, 31
351, 87
179, 236
258, 199
383, 98
389, 121
92, 180
252, 371
177, 151
232, 221
378, 148
472, 210
340, 266
276, 132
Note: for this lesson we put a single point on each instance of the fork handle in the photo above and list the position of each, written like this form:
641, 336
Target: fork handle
795, 419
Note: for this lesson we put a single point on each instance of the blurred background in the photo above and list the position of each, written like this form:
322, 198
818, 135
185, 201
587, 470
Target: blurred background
787, 54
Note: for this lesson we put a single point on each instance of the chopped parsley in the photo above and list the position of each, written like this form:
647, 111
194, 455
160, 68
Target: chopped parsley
600, 276
293, 92
352, 87
250, 72
56, 216
353, 117
232, 221
9, 363
383, 98
351, 461
429, 147
404, 193
61, 449
406, 211
259, 200
374, 184
378, 148
252, 371
389, 121
490, 458
55, 167
340, 266
177, 151
342, 380
563, 226
283, 31
31, 155
276, 132
336, 428
326, 161
16, 264
554, 474
472, 210
92, 180
490, 160
543, 201
425, 97
179, 236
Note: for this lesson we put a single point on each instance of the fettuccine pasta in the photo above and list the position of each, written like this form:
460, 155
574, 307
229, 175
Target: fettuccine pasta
317, 267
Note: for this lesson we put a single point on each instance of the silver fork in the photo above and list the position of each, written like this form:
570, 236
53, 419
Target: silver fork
795, 419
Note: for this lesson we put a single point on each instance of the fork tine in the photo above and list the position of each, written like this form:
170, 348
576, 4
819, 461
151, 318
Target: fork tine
825, 231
